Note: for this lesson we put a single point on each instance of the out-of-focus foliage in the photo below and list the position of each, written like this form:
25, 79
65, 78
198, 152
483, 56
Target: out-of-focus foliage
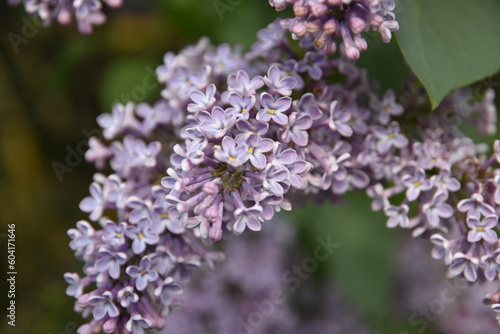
362, 264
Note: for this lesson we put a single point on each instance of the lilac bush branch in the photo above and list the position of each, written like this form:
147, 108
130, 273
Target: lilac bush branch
240, 142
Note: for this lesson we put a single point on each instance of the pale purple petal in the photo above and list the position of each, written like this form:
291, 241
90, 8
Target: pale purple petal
258, 160
280, 118
287, 156
474, 236
253, 223
490, 236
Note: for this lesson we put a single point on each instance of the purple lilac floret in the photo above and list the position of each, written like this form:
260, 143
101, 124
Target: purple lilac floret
241, 142
87, 13
322, 23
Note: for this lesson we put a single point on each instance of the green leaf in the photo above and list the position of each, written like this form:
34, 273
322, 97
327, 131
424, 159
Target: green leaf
449, 43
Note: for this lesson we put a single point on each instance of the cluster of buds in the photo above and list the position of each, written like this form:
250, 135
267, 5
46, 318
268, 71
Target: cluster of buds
88, 13
321, 22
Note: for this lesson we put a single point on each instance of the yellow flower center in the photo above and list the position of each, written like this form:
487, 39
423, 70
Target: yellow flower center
140, 235
392, 136
118, 235
244, 111
232, 158
271, 111
480, 228
250, 150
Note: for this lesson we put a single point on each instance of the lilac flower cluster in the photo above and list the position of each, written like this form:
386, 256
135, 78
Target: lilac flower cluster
136, 255
232, 140
422, 171
321, 22
439, 184
88, 13
425, 298
233, 144
233, 167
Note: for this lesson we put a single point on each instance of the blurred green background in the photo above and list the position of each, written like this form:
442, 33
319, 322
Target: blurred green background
51, 92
